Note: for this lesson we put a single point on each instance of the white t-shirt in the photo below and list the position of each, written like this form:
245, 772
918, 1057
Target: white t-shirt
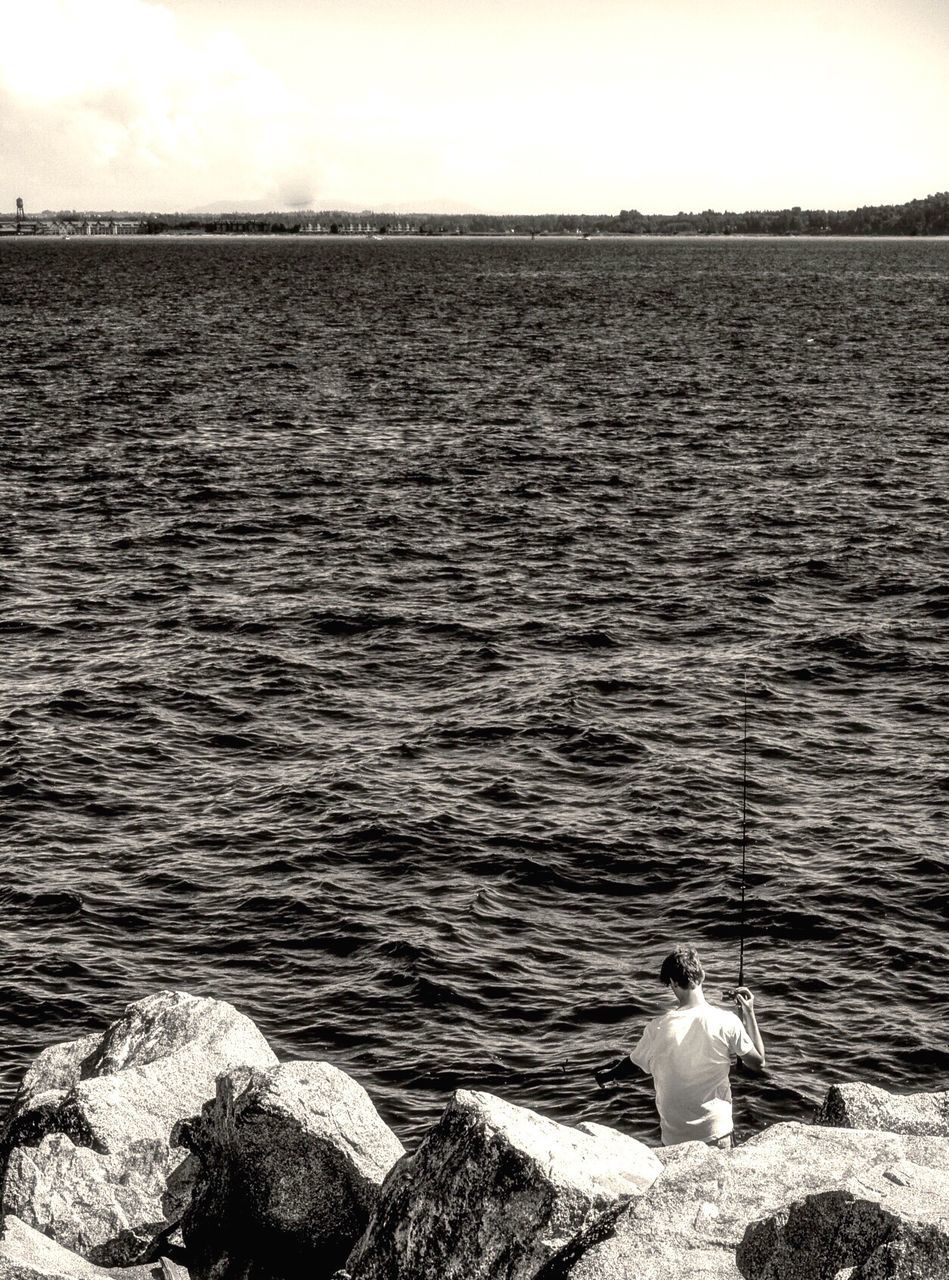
688, 1053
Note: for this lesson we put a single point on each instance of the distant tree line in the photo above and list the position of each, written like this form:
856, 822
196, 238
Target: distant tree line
927, 217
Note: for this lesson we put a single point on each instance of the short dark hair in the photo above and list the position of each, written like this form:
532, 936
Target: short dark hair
683, 967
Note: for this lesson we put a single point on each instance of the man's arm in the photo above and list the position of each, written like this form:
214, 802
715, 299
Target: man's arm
619, 1070
747, 1002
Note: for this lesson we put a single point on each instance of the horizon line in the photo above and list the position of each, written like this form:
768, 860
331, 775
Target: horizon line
369, 211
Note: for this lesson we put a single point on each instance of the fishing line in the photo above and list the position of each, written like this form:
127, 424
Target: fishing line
729, 992
744, 839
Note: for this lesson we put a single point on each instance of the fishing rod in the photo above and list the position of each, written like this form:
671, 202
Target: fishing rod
729, 993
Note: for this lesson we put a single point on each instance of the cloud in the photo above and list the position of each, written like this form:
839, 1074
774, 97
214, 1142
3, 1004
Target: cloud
295, 193
121, 105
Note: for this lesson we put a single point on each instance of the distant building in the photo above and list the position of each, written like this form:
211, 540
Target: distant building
23, 227
110, 227
70, 227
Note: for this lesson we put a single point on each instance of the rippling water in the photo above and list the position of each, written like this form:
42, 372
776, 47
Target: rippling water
376, 615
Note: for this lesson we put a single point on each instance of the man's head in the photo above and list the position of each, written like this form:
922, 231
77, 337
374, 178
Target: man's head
683, 969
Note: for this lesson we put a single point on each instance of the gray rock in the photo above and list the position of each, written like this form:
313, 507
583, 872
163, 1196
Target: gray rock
105, 1207
693, 1218
26, 1254
492, 1192
93, 1154
865, 1106
891, 1224
291, 1163
173, 1270
44, 1086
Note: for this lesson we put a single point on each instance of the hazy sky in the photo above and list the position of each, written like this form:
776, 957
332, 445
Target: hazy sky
492, 105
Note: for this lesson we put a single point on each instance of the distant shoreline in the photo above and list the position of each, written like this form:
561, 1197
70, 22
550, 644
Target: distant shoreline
520, 236
927, 217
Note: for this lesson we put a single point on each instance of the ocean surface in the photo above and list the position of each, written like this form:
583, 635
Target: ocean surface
376, 620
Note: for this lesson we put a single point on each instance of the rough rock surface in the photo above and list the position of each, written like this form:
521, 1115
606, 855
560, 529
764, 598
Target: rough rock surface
291, 1166
492, 1192
26, 1254
47, 1081
82, 1199
91, 1154
893, 1224
865, 1106
694, 1216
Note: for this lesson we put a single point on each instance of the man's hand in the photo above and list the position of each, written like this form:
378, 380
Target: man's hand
610, 1071
747, 1003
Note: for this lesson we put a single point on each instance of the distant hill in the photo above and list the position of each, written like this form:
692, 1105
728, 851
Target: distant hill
436, 205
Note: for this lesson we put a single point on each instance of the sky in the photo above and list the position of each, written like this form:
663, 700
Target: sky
491, 106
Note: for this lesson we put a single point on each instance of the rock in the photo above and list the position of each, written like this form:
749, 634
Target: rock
156, 1065
173, 1270
26, 1254
865, 1106
878, 1226
492, 1192
82, 1199
291, 1163
92, 1149
48, 1079
692, 1219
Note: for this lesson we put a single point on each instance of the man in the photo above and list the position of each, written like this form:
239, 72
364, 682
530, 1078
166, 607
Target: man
688, 1053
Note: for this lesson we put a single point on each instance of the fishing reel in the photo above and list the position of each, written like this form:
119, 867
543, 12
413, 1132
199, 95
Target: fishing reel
730, 994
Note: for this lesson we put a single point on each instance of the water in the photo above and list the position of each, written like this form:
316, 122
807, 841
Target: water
375, 617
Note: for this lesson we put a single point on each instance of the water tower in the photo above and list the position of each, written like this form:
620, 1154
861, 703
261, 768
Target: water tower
19, 210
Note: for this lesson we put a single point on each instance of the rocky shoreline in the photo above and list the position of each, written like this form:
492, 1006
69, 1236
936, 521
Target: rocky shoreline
176, 1145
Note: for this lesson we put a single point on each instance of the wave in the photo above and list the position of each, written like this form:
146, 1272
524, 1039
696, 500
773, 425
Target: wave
399, 700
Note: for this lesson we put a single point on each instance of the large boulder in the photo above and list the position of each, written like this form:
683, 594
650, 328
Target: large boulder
44, 1086
493, 1191
866, 1106
291, 1165
109, 1207
695, 1215
892, 1224
26, 1254
92, 1156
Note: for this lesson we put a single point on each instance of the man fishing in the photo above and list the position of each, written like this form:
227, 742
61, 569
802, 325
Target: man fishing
688, 1052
